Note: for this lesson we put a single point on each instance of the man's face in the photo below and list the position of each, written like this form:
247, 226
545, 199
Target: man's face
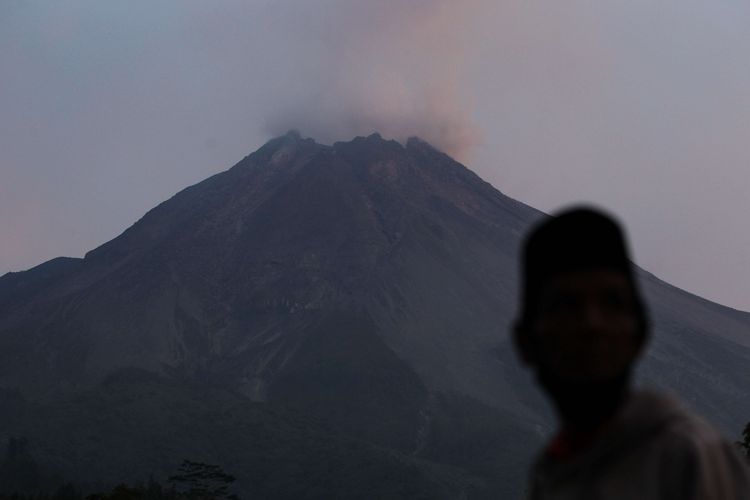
587, 325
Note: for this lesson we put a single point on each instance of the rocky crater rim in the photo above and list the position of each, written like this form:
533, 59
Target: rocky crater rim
295, 136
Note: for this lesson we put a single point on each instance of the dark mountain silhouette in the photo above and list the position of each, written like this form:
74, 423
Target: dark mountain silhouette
321, 321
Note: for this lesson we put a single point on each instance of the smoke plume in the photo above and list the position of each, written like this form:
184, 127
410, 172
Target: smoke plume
355, 67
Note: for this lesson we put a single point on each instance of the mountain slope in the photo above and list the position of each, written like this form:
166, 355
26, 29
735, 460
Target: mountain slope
366, 285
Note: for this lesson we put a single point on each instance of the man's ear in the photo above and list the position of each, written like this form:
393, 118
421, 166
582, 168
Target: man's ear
524, 343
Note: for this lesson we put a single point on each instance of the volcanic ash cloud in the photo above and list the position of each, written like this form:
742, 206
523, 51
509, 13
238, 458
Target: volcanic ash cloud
355, 67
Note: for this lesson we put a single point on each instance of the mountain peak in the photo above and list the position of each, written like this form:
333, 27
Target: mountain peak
293, 138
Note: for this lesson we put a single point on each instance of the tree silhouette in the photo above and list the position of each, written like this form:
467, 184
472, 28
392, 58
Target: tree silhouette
203, 480
18, 471
745, 443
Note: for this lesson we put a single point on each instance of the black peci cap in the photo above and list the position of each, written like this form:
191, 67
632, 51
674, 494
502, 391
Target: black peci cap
576, 239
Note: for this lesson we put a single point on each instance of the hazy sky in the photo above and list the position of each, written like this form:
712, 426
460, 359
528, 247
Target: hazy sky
108, 108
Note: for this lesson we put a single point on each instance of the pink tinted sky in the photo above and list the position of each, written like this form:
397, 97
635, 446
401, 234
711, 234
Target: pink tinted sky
643, 107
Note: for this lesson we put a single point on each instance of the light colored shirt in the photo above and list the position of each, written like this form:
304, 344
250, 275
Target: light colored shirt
653, 449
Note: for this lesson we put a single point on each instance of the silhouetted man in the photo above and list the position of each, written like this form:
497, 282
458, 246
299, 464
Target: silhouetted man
581, 327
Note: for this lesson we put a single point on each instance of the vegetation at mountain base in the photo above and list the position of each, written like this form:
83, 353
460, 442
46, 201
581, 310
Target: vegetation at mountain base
196, 480
151, 491
22, 478
744, 444
203, 480
20, 473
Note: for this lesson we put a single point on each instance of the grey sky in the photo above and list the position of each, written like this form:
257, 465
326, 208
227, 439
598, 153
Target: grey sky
108, 108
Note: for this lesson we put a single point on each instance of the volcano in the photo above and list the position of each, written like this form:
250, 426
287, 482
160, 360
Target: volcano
321, 321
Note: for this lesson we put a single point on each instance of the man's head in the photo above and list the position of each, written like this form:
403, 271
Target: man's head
582, 323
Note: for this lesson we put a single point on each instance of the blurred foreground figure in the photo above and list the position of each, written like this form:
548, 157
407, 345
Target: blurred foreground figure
581, 328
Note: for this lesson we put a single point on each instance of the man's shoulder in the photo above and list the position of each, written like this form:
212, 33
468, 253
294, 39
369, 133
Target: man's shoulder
656, 448
660, 418
690, 454
664, 417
